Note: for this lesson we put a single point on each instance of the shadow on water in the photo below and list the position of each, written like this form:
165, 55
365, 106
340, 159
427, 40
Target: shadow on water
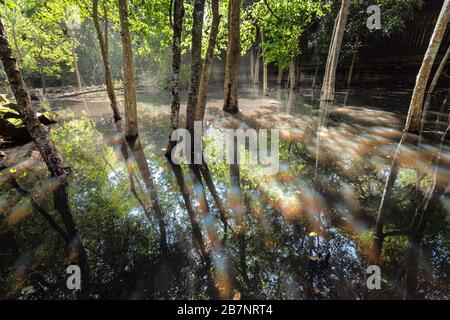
156, 230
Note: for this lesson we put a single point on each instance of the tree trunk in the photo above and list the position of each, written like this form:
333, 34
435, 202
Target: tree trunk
328, 86
131, 128
265, 69
16, 44
413, 120
176, 62
196, 65
103, 42
315, 75
54, 161
280, 76
352, 66
42, 75
411, 124
75, 61
252, 64
233, 54
292, 77
256, 69
204, 80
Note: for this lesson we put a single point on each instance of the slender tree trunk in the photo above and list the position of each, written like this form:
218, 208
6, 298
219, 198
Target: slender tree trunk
103, 42
42, 75
75, 61
328, 86
16, 44
52, 158
131, 128
265, 69
433, 85
292, 77
176, 62
196, 65
252, 64
411, 124
233, 54
415, 109
280, 76
204, 80
315, 75
257, 63
352, 66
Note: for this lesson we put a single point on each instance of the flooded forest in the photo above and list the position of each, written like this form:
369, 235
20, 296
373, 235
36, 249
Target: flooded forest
224, 149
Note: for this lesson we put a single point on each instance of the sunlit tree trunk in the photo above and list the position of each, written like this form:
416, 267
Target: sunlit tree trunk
16, 44
433, 85
75, 61
204, 80
131, 128
328, 86
103, 41
415, 109
233, 55
196, 64
411, 125
265, 69
52, 158
257, 66
178, 14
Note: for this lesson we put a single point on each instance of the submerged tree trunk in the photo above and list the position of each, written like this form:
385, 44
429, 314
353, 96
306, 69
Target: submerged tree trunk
204, 80
131, 128
176, 62
233, 54
75, 61
411, 126
103, 41
52, 158
196, 65
328, 86
413, 120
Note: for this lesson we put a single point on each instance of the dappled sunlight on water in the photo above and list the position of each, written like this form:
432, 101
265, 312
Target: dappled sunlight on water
304, 231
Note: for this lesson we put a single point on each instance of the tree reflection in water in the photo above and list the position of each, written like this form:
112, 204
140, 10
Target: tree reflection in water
156, 230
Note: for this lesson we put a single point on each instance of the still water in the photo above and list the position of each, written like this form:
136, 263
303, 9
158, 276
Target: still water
304, 232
